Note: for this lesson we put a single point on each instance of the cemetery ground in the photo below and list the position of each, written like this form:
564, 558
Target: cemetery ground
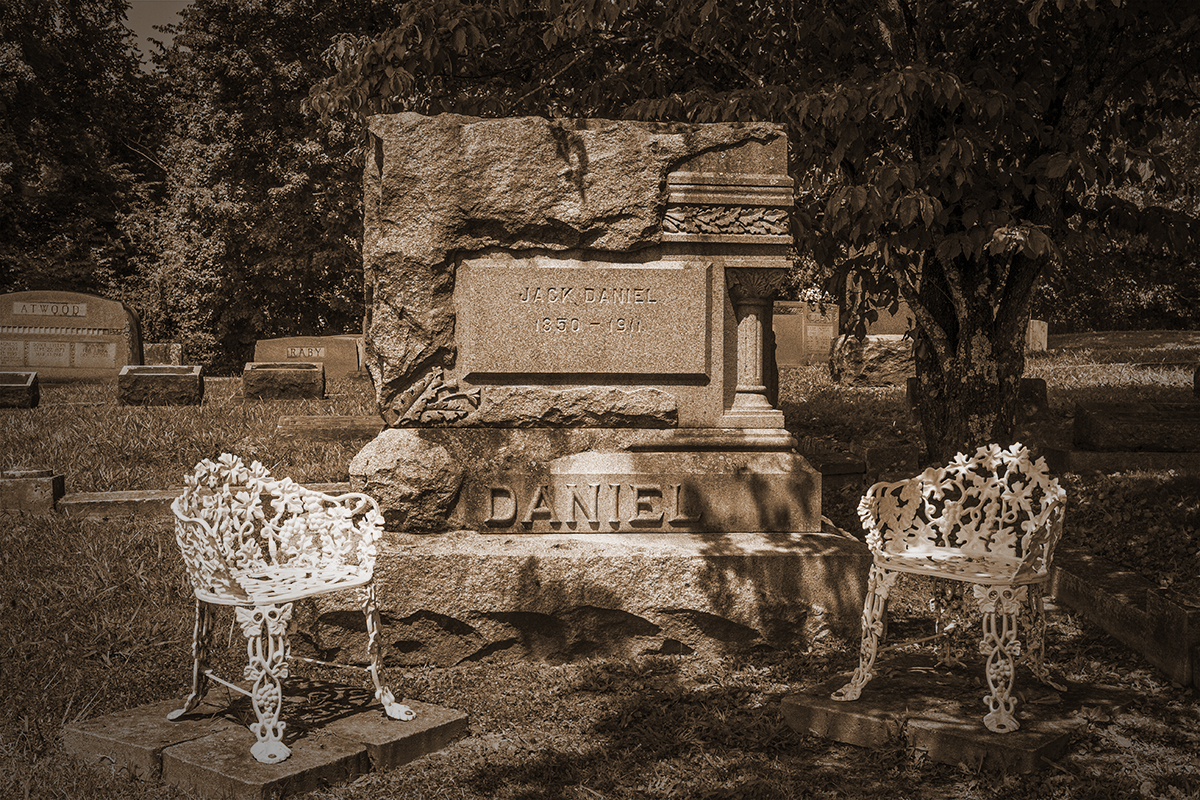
97, 618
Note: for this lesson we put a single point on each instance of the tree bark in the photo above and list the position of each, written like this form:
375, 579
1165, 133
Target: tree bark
970, 355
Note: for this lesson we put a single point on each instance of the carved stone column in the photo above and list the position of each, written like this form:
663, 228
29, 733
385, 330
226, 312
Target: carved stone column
752, 291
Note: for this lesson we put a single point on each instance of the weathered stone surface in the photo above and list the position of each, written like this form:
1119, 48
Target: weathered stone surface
937, 711
339, 355
19, 390
563, 596
1036, 336
162, 353
1157, 427
67, 335
527, 184
584, 407
282, 380
160, 385
414, 479
335, 732
803, 334
34, 491
882, 360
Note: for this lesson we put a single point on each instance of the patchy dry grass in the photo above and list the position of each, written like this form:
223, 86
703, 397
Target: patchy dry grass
96, 619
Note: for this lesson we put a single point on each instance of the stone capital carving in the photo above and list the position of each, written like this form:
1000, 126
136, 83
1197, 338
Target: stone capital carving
755, 284
726, 219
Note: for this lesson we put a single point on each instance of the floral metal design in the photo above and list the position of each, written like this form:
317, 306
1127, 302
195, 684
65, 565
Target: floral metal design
991, 520
260, 558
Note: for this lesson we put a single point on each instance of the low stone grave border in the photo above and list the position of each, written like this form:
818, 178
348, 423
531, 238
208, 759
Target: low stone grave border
1131, 609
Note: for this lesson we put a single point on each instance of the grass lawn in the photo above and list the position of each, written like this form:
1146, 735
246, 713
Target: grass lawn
96, 619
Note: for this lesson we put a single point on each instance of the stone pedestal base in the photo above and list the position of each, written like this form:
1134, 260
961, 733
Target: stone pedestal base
454, 597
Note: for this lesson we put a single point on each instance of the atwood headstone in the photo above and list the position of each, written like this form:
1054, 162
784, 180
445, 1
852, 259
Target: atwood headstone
67, 335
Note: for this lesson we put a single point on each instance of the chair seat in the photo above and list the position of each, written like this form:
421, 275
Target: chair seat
283, 584
959, 566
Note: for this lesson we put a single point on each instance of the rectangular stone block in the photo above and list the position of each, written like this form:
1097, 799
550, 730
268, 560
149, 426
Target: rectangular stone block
34, 491
341, 356
1154, 427
329, 429
558, 316
596, 492
1036, 336
160, 385
67, 335
19, 390
134, 739
283, 381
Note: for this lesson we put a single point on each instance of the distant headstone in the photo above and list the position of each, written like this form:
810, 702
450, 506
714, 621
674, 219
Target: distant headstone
160, 385
32, 491
1036, 336
162, 353
67, 336
804, 334
340, 355
19, 390
283, 381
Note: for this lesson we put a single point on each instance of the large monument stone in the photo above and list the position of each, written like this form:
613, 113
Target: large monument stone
567, 333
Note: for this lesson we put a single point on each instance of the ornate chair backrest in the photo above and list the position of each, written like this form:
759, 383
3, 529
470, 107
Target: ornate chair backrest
998, 505
223, 527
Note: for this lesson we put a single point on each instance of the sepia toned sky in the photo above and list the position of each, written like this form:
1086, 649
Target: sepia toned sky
145, 14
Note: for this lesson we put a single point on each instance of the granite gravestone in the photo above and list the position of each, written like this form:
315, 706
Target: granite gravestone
584, 285
567, 332
340, 355
804, 333
67, 335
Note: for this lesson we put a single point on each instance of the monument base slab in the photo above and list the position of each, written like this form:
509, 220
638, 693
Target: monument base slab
938, 711
335, 733
561, 597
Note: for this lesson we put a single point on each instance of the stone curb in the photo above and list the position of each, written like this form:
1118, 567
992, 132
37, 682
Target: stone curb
1132, 610
152, 502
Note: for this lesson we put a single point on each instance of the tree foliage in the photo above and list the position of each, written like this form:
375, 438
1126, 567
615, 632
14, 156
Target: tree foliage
946, 152
260, 231
75, 115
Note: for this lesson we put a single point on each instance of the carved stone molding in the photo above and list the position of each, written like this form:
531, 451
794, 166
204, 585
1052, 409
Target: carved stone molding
726, 219
755, 284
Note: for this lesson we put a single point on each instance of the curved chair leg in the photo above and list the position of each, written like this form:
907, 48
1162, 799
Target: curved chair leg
1035, 638
201, 637
1000, 606
266, 630
873, 621
382, 692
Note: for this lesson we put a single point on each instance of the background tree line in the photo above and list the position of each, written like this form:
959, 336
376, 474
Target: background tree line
984, 160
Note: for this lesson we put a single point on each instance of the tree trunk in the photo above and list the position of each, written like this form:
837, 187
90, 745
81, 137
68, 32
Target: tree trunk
969, 367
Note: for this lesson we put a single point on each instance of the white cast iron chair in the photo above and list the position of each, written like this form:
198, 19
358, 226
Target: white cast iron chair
260, 560
992, 520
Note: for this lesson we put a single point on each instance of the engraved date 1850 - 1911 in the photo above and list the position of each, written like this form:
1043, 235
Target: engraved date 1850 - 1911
576, 325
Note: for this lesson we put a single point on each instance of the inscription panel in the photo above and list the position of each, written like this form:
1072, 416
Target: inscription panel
95, 354
49, 354
49, 309
569, 317
12, 353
